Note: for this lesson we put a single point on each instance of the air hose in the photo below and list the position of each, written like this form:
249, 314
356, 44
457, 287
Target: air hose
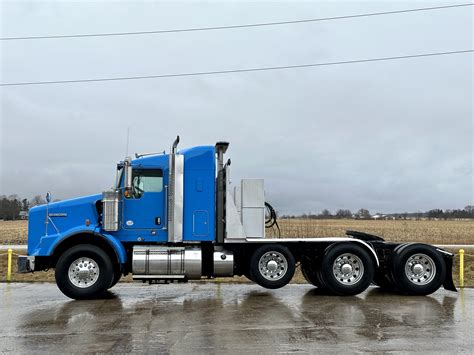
271, 218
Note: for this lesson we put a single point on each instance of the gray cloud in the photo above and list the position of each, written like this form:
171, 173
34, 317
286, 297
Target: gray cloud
388, 136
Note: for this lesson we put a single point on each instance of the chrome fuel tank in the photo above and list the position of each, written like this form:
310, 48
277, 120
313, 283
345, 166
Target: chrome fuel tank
157, 262
223, 263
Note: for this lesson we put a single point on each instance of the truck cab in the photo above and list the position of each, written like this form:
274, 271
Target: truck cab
176, 217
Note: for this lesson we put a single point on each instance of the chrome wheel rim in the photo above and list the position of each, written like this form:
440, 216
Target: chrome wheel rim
420, 269
83, 272
273, 265
348, 269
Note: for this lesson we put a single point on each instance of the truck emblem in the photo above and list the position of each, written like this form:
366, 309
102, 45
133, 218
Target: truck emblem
129, 223
57, 214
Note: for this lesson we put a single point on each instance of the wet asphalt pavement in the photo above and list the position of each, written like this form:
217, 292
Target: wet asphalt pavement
217, 318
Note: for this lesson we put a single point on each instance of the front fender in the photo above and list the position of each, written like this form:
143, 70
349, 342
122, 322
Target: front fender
118, 247
48, 244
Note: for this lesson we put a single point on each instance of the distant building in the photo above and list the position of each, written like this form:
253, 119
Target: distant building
23, 215
381, 216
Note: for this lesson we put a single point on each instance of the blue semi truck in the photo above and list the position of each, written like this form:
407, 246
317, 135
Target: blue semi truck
175, 217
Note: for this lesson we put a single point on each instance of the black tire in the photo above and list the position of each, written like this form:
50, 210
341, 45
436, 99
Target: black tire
383, 277
117, 276
101, 283
281, 256
426, 282
310, 273
383, 281
362, 275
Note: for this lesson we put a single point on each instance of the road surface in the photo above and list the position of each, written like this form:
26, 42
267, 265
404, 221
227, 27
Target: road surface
227, 318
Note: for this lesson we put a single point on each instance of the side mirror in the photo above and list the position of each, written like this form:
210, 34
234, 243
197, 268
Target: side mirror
127, 168
48, 197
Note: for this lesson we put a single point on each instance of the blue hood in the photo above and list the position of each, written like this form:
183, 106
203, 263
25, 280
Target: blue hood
65, 216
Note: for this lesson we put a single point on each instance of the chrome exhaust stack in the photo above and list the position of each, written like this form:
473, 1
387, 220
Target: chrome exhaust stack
175, 192
221, 148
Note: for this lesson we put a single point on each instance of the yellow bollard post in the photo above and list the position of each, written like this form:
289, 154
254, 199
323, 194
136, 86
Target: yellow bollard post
9, 265
461, 268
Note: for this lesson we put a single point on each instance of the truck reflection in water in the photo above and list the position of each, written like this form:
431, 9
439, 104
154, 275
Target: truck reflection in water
210, 317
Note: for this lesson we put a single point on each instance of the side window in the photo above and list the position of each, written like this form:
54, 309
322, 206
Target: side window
146, 180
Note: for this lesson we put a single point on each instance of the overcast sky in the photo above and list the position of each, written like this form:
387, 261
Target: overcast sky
387, 136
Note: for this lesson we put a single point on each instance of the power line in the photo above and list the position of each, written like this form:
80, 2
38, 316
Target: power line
235, 26
367, 60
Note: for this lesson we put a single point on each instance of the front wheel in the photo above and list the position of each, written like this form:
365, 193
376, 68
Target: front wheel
116, 278
272, 266
84, 272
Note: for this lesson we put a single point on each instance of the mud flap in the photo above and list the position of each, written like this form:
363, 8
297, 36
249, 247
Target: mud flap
448, 283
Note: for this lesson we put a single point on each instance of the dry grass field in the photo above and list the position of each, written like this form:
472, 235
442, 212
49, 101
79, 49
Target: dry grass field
433, 232
13, 232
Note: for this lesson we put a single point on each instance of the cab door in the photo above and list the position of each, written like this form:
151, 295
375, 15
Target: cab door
144, 209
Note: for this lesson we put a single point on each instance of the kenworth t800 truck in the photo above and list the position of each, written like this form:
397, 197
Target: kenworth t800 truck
175, 217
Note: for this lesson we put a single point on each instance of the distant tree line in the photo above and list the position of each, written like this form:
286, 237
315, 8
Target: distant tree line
466, 212
11, 206
339, 214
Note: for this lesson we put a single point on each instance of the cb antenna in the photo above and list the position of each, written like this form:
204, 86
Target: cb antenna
128, 141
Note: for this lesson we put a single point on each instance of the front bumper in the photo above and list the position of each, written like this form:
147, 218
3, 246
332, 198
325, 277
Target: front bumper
26, 263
